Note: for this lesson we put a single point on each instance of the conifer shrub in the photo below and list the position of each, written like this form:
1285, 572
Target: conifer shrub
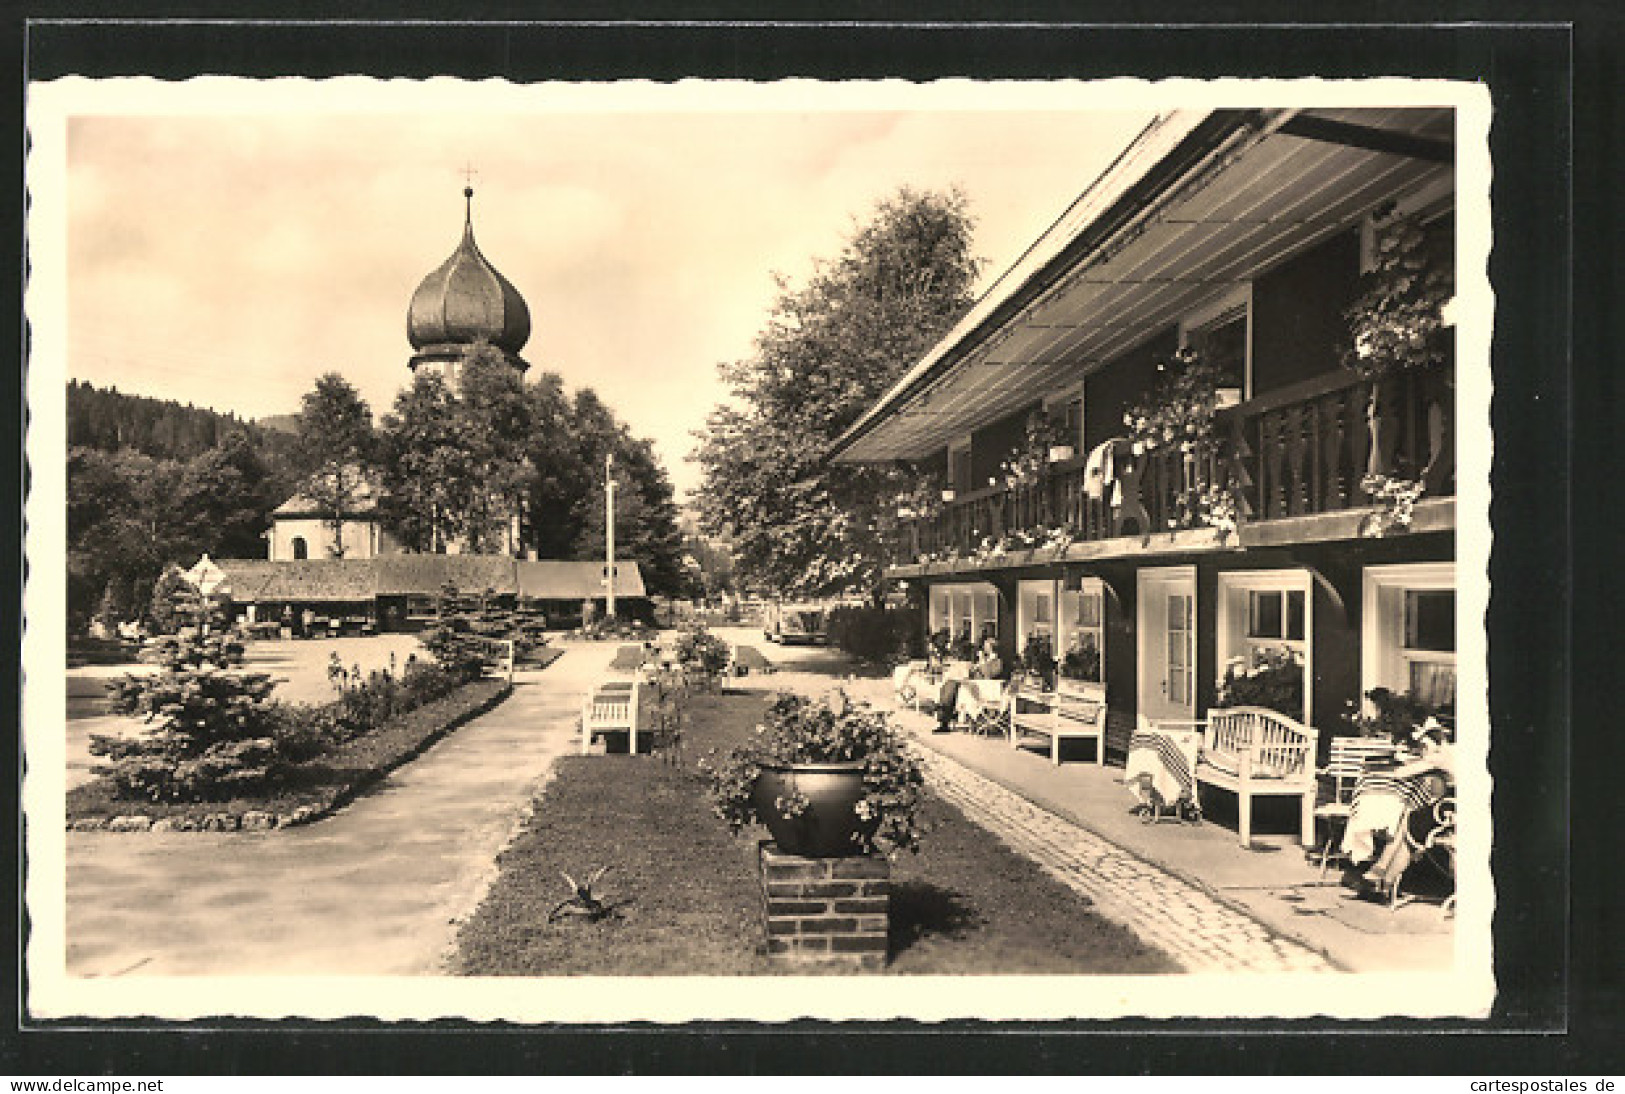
210, 729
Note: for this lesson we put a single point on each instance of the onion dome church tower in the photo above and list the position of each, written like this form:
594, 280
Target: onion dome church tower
464, 302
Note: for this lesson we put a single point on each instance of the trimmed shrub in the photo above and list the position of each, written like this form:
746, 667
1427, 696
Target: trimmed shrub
878, 635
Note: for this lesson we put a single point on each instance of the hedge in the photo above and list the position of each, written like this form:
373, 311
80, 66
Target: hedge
878, 635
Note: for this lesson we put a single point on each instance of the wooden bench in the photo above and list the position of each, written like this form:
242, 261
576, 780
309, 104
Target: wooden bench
610, 707
1075, 710
1257, 753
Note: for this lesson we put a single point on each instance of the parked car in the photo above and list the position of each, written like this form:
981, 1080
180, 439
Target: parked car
791, 624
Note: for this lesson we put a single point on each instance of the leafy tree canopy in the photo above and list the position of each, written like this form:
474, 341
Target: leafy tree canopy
828, 350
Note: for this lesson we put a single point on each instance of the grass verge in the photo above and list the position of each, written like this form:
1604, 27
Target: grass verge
685, 896
312, 789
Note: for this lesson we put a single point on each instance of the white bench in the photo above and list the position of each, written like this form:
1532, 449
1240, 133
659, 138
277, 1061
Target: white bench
1075, 710
1254, 752
610, 707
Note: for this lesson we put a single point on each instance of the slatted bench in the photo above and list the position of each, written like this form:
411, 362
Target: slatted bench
1254, 752
1074, 711
610, 707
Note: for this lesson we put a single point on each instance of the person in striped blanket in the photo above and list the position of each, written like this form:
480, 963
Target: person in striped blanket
1421, 782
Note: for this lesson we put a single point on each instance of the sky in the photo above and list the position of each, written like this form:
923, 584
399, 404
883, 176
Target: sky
228, 259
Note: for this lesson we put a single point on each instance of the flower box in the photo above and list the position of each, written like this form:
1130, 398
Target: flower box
1060, 452
1226, 397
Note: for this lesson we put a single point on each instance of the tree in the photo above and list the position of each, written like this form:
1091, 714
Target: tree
423, 463
455, 465
645, 518
827, 352
176, 604
562, 478
494, 420
334, 450
209, 732
224, 498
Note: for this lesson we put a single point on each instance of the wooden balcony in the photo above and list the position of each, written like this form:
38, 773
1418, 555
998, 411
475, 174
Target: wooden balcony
1297, 452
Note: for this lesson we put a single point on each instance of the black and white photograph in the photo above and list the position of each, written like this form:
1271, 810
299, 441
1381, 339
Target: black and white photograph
1009, 550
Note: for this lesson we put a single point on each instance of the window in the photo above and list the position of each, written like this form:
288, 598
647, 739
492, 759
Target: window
965, 611
1179, 649
300, 548
1222, 333
1429, 649
1083, 638
1035, 612
1409, 640
1275, 619
1263, 614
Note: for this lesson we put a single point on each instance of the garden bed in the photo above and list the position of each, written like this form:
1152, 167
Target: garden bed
311, 791
685, 898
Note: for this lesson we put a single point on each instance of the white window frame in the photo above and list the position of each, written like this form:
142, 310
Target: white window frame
953, 603
1091, 587
1239, 298
1382, 638
1234, 592
1026, 624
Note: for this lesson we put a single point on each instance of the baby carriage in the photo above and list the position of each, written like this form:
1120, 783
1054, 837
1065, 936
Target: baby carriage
1160, 773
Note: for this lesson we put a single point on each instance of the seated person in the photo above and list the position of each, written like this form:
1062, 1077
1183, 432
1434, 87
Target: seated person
1435, 768
989, 666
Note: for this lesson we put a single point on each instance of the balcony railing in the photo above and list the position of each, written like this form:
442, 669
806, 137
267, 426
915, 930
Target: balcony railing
1297, 451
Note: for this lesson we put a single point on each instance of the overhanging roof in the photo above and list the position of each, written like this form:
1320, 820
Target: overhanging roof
1201, 202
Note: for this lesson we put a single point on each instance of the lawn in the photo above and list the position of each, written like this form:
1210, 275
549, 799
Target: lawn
685, 893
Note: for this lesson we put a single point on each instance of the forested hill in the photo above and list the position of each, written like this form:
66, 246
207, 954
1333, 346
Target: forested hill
111, 421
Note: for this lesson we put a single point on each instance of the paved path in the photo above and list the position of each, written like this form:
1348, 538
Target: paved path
1201, 933
376, 889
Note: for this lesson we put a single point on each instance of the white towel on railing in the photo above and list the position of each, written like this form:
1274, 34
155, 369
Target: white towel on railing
1098, 470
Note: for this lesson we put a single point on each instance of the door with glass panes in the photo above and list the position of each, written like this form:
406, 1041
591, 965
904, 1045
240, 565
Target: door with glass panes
1166, 618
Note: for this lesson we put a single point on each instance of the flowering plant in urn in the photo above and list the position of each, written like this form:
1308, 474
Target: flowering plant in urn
777, 778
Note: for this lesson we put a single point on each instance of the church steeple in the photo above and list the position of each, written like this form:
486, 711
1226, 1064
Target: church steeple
465, 301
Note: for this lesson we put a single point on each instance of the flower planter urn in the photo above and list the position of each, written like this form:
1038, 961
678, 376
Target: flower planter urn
830, 826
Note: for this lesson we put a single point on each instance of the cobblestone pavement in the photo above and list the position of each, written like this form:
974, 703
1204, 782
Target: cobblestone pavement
1201, 933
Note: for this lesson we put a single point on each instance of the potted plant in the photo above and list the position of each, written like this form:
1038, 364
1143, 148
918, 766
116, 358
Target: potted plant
827, 777
1178, 418
1398, 324
1273, 681
1082, 663
1394, 715
1038, 660
1042, 444
962, 648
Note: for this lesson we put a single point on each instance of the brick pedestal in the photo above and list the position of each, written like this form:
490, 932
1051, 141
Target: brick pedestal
826, 909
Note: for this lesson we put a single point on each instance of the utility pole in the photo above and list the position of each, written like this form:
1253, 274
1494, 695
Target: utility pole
609, 535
